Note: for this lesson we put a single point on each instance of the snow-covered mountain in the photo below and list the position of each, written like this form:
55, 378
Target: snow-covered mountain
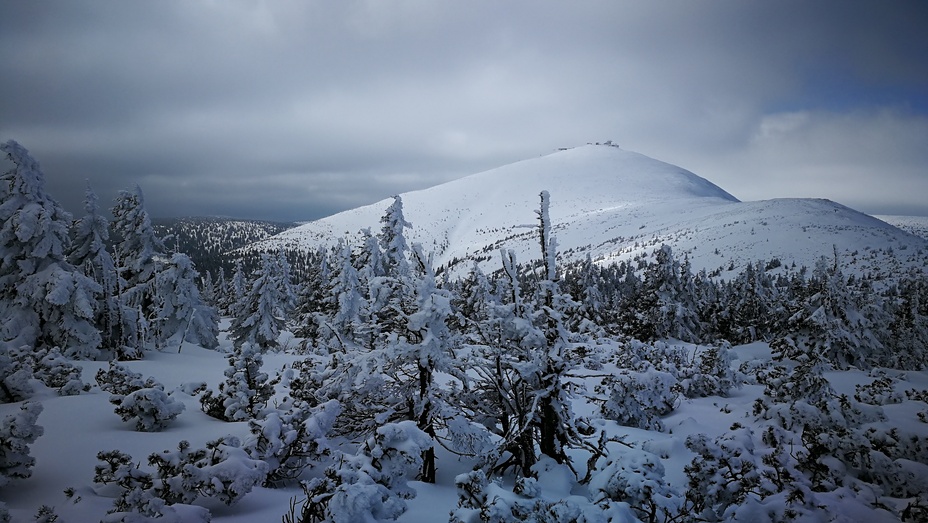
610, 204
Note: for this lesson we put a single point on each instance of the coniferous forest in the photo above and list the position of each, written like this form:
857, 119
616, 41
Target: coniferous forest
358, 380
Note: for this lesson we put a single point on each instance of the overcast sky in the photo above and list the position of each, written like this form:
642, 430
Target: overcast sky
294, 110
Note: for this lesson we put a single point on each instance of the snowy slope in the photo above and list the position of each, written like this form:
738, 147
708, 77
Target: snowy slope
610, 203
917, 225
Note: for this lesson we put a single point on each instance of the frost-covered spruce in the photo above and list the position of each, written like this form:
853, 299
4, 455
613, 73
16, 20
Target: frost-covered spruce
345, 308
138, 251
260, 315
44, 300
245, 391
182, 313
89, 253
17, 432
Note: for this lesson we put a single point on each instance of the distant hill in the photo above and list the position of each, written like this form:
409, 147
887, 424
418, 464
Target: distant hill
917, 225
613, 204
209, 240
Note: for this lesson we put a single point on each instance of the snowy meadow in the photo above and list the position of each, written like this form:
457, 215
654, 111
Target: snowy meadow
362, 381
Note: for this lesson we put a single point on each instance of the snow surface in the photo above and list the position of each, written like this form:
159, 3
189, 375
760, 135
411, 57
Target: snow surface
612, 204
77, 427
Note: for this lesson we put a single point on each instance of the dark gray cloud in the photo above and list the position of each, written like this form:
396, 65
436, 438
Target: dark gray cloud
298, 109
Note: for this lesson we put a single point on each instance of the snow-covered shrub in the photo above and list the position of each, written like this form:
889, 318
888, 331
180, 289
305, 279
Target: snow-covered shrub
544, 500
14, 376
152, 409
48, 365
51, 368
142, 400
246, 389
291, 440
917, 395
120, 381
917, 509
706, 372
135, 485
222, 470
636, 477
138, 501
712, 374
747, 476
17, 432
723, 474
4, 513
638, 399
880, 391
370, 485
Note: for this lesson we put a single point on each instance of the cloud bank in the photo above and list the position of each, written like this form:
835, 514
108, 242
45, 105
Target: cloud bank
294, 110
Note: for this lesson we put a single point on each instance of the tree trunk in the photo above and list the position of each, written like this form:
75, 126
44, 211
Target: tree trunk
427, 475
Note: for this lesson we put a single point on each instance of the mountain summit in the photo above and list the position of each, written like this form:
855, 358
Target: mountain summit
610, 203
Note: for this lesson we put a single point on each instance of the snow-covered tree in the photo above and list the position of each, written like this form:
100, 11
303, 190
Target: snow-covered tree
671, 308
829, 323
235, 288
905, 334
182, 314
393, 239
209, 291
139, 251
17, 432
522, 365
261, 314
246, 389
344, 318
421, 352
88, 252
44, 300
553, 417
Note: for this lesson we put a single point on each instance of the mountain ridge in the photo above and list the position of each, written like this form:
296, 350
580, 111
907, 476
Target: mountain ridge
612, 204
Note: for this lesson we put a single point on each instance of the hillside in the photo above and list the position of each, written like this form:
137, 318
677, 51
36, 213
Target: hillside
612, 204
207, 240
